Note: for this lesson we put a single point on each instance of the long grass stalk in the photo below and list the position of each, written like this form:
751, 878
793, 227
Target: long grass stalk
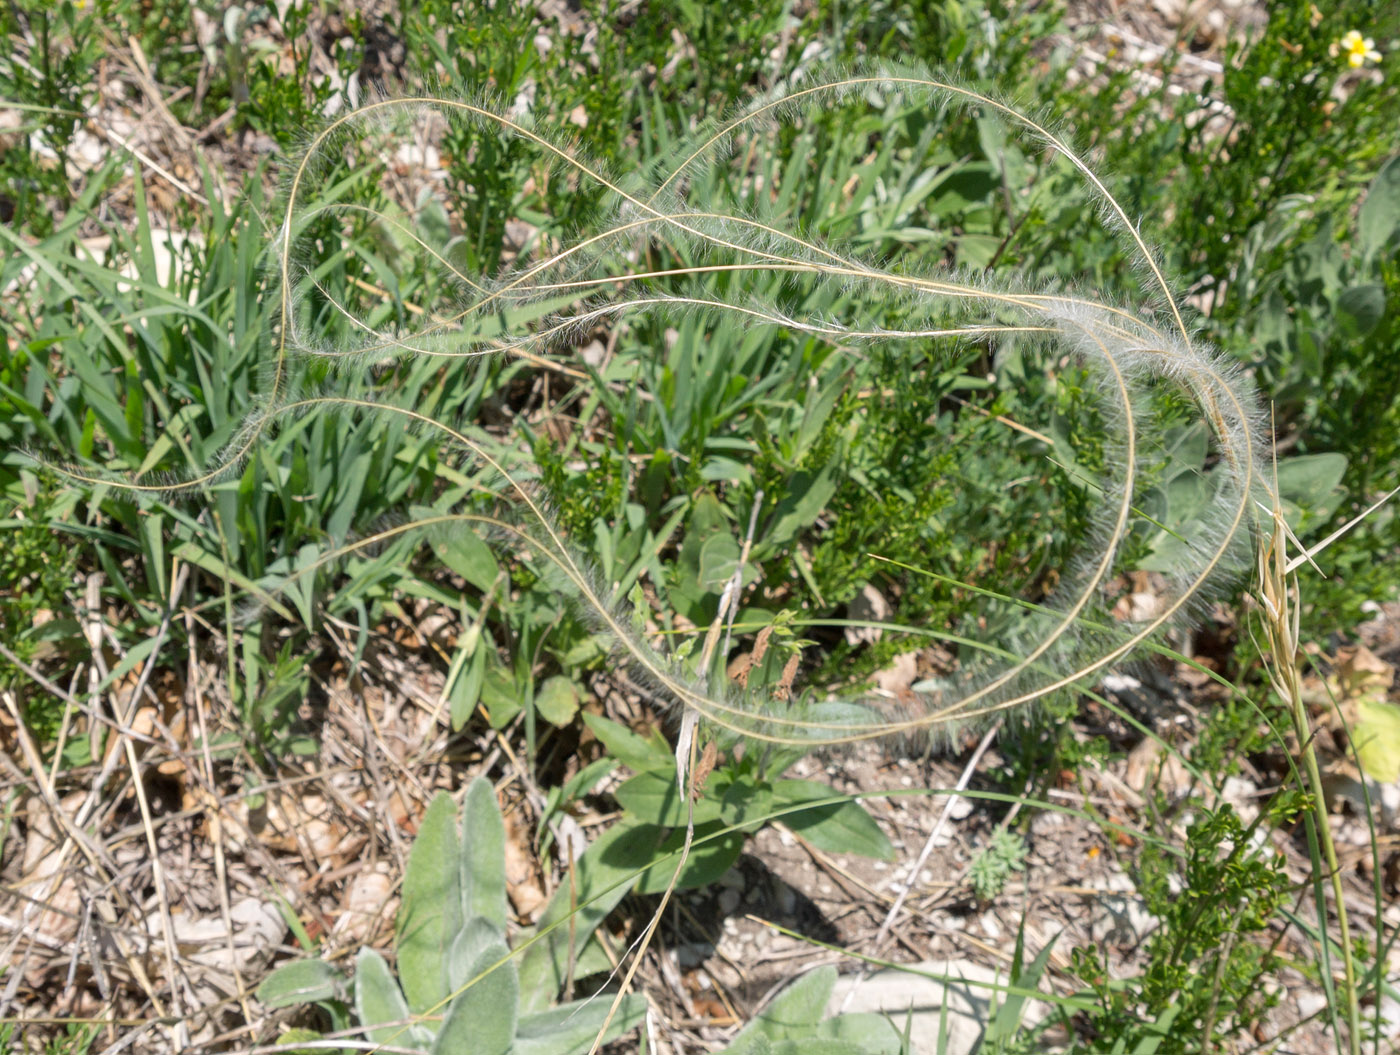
1278, 592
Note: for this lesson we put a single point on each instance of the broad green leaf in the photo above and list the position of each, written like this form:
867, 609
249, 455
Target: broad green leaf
743, 799
380, 1003
795, 1012
719, 559
837, 827
976, 250
499, 694
1312, 481
297, 1036
466, 553
431, 912
483, 861
556, 700
602, 877
481, 1018
807, 496
1379, 218
300, 982
1360, 309
635, 752
1376, 734
707, 515
570, 1028
727, 470
818, 1046
754, 1044
466, 684
471, 941
871, 1034
709, 858
653, 797
1187, 497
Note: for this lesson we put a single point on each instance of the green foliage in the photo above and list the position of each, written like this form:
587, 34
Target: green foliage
459, 989
76, 1039
53, 89
1323, 294
37, 570
1201, 962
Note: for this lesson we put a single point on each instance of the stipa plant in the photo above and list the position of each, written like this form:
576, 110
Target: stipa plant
1133, 357
458, 990
675, 243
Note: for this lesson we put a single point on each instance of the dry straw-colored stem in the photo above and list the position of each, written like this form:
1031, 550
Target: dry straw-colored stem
1278, 594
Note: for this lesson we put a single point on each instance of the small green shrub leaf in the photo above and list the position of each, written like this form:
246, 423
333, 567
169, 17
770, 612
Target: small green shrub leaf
431, 912
556, 700
1312, 481
483, 862
300, 982
466, 687
297, 1036
836, 827
719, 559
470, 557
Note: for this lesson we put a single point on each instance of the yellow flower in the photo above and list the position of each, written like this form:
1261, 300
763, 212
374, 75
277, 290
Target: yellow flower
1359, 50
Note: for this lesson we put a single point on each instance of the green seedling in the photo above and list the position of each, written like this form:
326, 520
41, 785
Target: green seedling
993, 866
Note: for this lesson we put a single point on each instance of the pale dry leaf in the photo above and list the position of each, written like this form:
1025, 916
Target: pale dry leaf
368, 903
895, 679
47, 873
869, 605
522, 881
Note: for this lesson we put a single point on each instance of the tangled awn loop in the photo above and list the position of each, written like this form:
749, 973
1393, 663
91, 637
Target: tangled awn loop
1127, 352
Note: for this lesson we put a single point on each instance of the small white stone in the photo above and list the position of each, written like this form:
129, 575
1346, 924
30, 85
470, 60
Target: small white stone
1310, 1004
1120, 683
961, 808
